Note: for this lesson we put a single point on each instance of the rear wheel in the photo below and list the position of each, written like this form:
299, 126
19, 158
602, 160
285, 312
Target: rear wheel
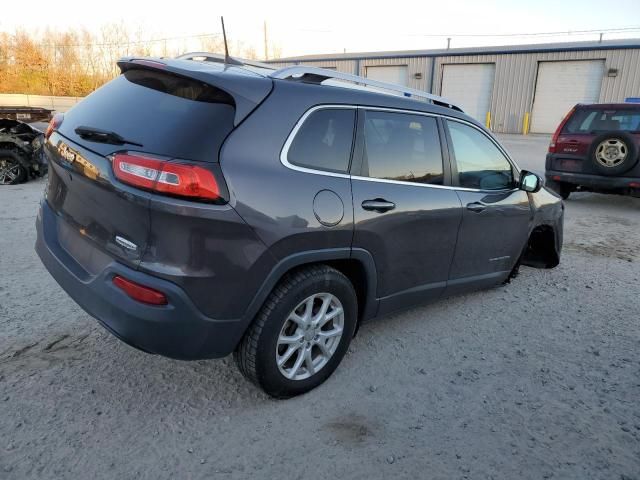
301, 333
11, 170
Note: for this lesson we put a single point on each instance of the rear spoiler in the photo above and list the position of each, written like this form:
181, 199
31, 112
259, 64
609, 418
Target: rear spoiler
247, 88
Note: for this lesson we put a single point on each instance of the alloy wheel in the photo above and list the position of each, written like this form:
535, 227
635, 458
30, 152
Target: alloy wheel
10, 171
310, 336
611, 152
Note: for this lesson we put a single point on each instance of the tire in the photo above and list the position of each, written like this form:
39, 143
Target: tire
257, 352
11, 170
613, 153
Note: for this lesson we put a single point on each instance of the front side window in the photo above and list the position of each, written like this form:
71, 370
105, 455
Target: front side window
324, 140
402, 147
480, 163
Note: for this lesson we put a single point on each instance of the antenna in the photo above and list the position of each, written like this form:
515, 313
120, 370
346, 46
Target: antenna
226, 48
266, 45
227, 59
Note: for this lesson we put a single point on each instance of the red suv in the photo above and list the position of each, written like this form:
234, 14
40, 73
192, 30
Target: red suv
595, 148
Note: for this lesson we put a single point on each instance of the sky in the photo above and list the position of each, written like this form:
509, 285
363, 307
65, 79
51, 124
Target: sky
328, 26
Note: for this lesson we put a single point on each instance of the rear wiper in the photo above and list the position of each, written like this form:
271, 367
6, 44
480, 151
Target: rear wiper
103, 136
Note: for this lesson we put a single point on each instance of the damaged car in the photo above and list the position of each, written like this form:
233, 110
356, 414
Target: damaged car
20, 152
198, 209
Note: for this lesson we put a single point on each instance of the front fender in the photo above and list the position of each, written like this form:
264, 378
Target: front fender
548, 216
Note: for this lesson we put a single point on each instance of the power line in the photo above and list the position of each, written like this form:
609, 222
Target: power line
568, 33
629, 29
532, 34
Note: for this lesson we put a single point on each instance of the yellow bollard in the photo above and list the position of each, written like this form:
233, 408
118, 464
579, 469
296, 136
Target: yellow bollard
487, 121
525, 124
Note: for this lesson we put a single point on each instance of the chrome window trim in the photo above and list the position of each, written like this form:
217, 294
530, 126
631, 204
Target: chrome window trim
500, 148
285, 149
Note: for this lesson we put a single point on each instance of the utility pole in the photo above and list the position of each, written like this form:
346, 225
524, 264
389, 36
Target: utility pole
600, 41
266, 43
448, 43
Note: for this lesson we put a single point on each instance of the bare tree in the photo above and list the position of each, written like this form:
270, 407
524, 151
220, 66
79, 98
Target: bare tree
75, 62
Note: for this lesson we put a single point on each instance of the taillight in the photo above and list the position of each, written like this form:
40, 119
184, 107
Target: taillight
54, 124
556, 134
170, 178
139, 292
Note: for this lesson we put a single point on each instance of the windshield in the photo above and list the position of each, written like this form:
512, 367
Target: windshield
587, 121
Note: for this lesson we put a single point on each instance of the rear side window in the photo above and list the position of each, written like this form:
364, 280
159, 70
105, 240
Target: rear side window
481, 165
324, 140
593, 121
169, 115
402, 147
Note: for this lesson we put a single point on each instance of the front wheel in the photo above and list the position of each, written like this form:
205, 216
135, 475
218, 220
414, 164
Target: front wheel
301, 333
11, 170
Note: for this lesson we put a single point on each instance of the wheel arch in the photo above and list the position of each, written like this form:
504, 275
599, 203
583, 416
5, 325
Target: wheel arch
356, 264
19, 150
542, 250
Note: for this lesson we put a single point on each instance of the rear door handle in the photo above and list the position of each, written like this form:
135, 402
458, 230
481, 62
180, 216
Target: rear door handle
378, 205
476, 207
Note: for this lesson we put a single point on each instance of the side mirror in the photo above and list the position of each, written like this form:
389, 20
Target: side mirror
529, 181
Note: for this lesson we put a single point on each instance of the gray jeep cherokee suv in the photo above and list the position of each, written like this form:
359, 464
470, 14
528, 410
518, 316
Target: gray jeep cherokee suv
196, 209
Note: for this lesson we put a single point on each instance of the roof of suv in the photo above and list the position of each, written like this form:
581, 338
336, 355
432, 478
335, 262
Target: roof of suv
333, 94
617, 106
249, 84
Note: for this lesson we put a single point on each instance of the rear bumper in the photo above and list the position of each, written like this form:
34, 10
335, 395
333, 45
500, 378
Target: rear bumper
593, 181
177, 330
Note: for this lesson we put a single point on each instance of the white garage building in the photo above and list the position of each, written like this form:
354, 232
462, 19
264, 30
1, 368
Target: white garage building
511, 88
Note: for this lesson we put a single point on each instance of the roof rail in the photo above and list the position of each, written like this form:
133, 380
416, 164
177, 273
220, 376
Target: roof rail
319, 75
219, 58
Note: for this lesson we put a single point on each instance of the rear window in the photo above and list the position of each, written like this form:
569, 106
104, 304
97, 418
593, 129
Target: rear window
592, 121
168, 114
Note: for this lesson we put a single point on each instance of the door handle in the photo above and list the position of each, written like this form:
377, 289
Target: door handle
379, 205
476, 207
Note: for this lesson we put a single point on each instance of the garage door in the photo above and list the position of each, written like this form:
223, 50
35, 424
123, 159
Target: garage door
470, 86
388, 73
559, 87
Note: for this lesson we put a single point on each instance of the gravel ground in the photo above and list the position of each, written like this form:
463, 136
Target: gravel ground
537, 379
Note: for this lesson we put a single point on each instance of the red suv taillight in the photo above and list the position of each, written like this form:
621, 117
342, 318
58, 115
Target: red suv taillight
556, 134
54, 124
169, 178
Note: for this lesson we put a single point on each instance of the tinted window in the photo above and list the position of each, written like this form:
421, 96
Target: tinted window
324, 140
402, 147
480, 163
167, 114
587, 121
179, 86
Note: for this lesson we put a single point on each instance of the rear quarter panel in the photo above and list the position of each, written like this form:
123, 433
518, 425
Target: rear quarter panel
276, 201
